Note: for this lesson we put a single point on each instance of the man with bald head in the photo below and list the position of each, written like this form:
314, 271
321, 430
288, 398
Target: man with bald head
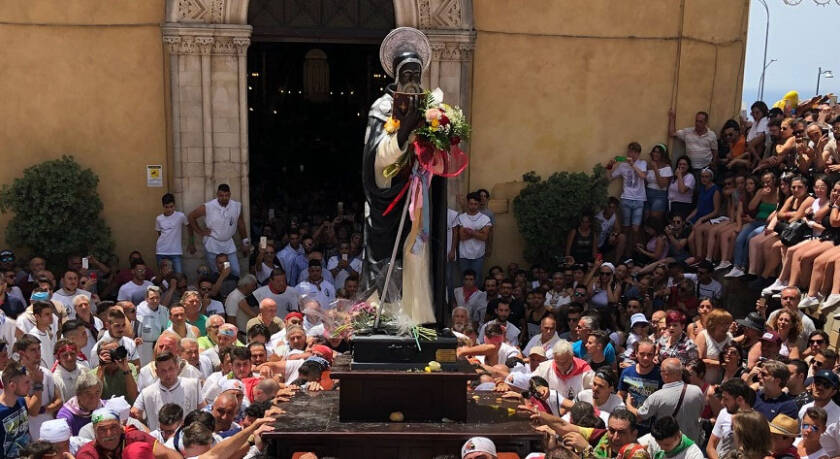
675, 398
225, 408
171, 343
267, 317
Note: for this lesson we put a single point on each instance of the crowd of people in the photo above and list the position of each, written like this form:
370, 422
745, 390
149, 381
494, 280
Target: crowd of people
624, 350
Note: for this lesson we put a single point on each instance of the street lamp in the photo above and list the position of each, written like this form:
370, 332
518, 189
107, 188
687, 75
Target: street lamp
761, 83
822, 74
766, 36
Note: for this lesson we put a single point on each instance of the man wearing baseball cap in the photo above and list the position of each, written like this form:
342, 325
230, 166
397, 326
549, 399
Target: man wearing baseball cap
479, 448
771, 344
824, 387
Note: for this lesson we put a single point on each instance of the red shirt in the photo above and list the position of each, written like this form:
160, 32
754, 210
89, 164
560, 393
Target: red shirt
131, 435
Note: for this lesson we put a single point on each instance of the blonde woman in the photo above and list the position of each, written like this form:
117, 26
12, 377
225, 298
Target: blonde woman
789, 327
712, 340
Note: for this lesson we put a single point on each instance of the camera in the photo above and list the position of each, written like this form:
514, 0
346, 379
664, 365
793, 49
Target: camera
120, 353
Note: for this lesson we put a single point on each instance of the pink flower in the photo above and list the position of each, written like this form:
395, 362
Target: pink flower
433, 114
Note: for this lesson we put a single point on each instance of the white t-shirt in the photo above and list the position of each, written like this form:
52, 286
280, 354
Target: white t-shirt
511, 332
547, 347
473, 248
287, 301
47, 397
171, 229
355, 265
830, 439
633, 186
186, 393
66, 298
323, 292
232, 308
698, 148
133, 292
451, 222
674, 194
613, 403
758, 128
651, 177
125, 341
723, 430
222, 223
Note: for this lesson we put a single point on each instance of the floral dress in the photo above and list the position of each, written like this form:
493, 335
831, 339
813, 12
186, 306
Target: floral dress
684, 349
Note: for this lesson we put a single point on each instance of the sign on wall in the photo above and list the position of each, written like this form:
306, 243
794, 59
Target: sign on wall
154, 176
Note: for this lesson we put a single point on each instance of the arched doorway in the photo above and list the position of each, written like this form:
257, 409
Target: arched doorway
209, 43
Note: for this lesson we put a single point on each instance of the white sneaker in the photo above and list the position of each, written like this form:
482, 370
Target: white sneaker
735, 272
831, 301
723, 265
777, 286
809, 302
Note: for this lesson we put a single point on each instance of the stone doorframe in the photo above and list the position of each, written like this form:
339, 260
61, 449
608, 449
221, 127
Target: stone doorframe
207, 43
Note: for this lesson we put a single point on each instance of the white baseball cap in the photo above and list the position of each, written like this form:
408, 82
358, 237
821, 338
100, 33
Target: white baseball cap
478, 444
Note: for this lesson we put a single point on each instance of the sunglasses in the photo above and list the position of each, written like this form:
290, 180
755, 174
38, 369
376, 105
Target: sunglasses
817, 341
806, 426
815, 363
579, 294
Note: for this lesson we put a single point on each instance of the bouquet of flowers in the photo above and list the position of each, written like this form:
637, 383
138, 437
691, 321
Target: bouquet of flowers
361, 317
436, 142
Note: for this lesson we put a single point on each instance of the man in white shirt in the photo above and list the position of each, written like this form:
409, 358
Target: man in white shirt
68, 369
343, 265
171, 343
633, 171
316, 286
153, 319
667, 440
547, 337
68, 291
135, 289
236, 315
502, 314
44, 332
288, 256
473, 231
223, 217
169, 226
735, 396
169, 388
286, 297
700, 141
116, 331
558, 295
824, 388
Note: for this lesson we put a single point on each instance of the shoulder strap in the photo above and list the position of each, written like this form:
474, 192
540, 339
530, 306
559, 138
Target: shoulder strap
679, 403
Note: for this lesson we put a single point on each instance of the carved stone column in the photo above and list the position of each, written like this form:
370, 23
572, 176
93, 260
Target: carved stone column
209, 102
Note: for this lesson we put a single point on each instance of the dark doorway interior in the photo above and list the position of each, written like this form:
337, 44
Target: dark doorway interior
306, 134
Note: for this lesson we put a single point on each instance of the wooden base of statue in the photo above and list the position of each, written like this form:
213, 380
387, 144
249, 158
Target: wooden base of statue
372, 390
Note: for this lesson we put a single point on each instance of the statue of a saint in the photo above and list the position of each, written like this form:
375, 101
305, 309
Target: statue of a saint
387, 168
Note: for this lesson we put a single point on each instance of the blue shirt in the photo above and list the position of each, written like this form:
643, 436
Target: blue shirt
784, 404
639, 386
14, 428
580, 351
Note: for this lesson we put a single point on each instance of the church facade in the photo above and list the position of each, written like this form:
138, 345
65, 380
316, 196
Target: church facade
548, 85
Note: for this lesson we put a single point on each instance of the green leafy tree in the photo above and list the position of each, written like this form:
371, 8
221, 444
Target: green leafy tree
546, 210
56, 212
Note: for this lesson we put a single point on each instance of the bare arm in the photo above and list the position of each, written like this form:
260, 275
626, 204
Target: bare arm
199, 211
483, 233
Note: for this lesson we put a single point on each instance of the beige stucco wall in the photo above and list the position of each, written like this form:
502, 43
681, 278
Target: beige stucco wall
561, 85
96, 92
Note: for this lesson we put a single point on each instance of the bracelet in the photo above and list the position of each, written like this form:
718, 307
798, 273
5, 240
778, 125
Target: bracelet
38, 387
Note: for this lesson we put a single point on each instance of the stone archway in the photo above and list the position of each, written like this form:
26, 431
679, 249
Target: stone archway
207, 43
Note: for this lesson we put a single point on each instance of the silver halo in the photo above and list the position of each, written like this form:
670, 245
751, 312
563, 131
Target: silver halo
400, 40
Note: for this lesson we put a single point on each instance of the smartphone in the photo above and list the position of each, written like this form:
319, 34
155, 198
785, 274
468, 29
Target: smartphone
743, 113
621, 159
832, 100
226, 265
263, 242
270, 213
85, 263
344, 256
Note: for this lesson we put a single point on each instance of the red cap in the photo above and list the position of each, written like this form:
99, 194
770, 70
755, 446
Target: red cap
293, 314
323, 351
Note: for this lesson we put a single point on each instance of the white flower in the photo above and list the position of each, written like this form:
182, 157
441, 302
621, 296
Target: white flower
437, 96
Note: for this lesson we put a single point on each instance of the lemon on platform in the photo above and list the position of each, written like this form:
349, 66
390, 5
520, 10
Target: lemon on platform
435, 366
397, 416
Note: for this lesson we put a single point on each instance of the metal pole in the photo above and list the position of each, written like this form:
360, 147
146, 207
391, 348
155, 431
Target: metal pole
766, 36
819, 74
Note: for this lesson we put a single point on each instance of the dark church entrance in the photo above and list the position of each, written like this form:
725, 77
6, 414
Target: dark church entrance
313, 71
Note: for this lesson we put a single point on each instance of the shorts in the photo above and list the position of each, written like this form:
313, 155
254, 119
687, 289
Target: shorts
632, 212
682, 209
657, 200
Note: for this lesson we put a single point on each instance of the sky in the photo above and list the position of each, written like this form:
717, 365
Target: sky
802, 39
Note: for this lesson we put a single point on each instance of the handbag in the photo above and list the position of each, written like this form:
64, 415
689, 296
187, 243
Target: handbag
794, 233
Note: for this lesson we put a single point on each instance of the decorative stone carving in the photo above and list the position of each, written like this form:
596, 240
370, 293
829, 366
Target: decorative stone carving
241, 45
441, 14
205, 44
207, 11
173, 44
224, 45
